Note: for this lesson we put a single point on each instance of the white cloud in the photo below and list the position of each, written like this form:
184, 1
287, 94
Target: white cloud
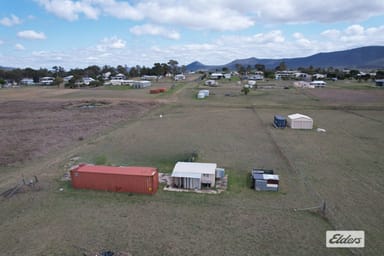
297, 11
110, 43
121, 10
19, 47
217, 15
31, 34
196, 14
1, 42
149, 29
331, 33
70, 10
10, 21
355, 35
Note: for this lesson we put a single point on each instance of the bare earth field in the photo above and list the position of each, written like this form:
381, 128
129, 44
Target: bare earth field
45, 128
31, 129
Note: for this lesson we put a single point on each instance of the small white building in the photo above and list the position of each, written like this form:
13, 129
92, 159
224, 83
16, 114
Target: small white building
227, 75
47, 80
202, 94
118, 77
319, 76
318, 83
191, 175
87, 80
27, 81
210, 83
67, 78
299, 121
179, 77
141, 84
216, 75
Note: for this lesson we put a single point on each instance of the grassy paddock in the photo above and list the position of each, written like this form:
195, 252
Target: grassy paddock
342, 166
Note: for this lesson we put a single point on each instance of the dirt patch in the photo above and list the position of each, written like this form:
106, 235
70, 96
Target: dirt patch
30, 129
347, 96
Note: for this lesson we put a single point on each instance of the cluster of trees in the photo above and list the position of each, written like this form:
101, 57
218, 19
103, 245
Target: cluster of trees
330, 71
94, 71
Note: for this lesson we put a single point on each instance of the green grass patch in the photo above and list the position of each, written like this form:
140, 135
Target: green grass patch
100, 160
173, 89
238, 181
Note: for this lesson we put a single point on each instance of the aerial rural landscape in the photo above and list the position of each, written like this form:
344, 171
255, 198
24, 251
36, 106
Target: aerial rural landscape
258, 156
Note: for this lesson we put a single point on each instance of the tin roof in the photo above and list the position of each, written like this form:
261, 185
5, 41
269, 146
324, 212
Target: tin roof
120, 170
189, 168
299, 116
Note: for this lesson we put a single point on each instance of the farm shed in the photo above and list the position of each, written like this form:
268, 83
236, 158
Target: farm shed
210, 83
141, 84
318, 83
202, 94
299, 121
190, 175
179, 77
132, 179
279, 121
216, 76
264, 180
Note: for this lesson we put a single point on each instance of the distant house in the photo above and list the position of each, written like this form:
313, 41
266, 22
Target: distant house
179, 77
216, 76
87, 80
302, 76
47, 80
27, 81
192, 175
299, 121
118, 77
259, 75
319, 76
318, 83
286, 74
67, 78
227, 75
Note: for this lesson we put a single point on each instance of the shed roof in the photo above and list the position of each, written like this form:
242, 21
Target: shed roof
299, 116
187, 175
120, 170
194, 170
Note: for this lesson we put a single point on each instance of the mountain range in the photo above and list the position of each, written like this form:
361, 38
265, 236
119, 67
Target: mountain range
369, 57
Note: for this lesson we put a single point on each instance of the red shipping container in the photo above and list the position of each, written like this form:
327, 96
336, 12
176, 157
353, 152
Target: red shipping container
144, 180
162, 89
154, 91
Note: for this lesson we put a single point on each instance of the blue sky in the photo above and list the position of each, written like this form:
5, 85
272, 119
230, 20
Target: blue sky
79, 33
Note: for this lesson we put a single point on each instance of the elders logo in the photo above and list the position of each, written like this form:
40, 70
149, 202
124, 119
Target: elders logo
345, 239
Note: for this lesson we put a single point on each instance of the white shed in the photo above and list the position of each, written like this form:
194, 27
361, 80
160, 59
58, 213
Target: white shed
205, 92
299, 121
191, 175
318, 83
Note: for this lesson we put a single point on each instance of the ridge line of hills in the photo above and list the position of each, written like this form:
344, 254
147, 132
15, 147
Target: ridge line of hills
368, 57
